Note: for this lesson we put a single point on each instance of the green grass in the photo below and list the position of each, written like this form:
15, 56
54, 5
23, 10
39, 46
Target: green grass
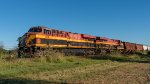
23, 66
69, 69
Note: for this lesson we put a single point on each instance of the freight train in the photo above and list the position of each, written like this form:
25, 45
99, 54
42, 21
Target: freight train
40, 38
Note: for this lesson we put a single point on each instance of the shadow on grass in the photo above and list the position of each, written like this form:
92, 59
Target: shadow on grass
122, 58
26, 81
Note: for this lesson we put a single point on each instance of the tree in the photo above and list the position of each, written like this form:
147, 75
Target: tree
1, 45
1, 48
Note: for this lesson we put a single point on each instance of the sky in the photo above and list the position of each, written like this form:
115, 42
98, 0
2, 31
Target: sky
127, 20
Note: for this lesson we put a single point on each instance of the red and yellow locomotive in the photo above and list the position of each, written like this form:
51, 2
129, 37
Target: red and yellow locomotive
42, 37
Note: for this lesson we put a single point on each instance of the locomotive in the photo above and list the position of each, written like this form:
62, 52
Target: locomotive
40, 38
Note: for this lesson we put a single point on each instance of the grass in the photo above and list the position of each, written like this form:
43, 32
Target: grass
30, 70
23, 66
57, 68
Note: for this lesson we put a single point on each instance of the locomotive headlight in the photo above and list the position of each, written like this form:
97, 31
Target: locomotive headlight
38, 40
37, 35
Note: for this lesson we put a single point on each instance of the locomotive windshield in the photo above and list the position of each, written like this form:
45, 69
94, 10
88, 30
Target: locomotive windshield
35, 30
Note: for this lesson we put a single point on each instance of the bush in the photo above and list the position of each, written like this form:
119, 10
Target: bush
148, 52
11, 54
49, 55
1, 53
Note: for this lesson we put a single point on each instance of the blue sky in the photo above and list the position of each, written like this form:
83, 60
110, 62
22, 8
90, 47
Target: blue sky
128, 20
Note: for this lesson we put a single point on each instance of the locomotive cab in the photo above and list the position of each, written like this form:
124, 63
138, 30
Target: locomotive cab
35, 30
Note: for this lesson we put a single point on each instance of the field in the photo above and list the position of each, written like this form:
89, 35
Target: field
108, 69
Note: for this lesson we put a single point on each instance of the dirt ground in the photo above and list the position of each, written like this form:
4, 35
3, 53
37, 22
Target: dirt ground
137, 73
105, 73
